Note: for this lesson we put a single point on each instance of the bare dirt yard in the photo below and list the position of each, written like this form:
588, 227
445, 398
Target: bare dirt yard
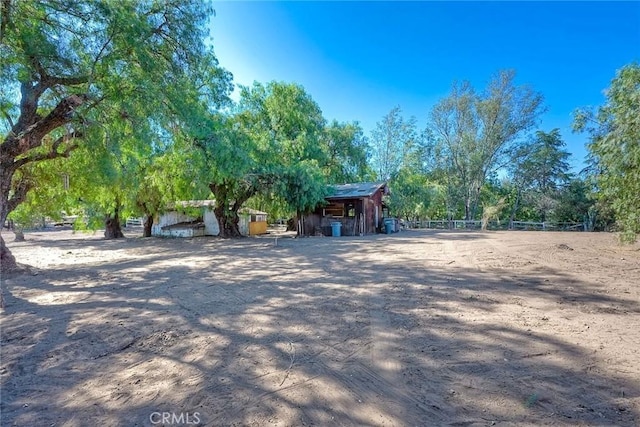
411, 329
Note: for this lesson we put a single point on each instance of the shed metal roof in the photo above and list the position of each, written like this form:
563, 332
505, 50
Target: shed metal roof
249, 211
195, 203
210, 204
354, 191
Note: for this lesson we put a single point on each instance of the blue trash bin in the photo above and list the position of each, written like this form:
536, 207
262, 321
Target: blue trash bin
388, 226
335, 229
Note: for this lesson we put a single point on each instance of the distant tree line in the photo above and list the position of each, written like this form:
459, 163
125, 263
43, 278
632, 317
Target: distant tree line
481, 152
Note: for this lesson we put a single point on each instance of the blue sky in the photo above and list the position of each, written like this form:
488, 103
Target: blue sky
358, 60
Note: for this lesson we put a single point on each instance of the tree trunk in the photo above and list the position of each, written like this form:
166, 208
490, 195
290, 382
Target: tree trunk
467, 208
7, 261
474, 206
112, 228
514, 210
17, 231
228, 220
228, 203
300, 220
19, 235
148, 223
7, 264
475, 199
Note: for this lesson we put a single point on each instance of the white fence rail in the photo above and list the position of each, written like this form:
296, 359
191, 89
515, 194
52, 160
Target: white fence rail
134, 221
458, 224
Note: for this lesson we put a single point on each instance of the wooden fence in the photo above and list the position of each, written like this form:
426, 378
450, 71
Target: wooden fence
458, 224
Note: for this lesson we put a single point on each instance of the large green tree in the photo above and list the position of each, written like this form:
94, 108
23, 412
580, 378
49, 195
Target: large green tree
574, 204
539, 169
614, 131
344, 159
476, 133
234, 165
392, 140
69, 69
272, 145
347, 152
412, 195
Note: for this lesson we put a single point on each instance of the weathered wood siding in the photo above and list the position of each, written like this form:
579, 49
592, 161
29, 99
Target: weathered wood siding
320, 221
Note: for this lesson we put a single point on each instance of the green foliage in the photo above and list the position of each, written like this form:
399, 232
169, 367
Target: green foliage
288, 127
346, 153
119, 78
476, 133
49, 200
302, 186
232, 161
539, 171
548, 161
296, 153
283, 119
392, 141
398, 158
413, 196
615, 146
272, 149
574, 203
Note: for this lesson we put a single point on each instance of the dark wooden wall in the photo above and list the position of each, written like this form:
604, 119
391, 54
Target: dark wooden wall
316, 223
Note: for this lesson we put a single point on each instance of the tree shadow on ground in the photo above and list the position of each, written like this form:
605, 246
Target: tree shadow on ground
356, 331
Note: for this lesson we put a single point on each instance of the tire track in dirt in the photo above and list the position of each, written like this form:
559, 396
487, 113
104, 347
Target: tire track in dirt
389, 403
382, 359
383, 376
362, 394
357, 386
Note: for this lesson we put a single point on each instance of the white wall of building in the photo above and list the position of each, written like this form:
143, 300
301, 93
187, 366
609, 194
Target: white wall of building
211, 226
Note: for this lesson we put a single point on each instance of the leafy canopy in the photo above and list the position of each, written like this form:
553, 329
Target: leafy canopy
614, 132
476, 133
119, 78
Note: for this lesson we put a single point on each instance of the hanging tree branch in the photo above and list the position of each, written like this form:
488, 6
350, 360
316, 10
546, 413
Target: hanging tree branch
53, 153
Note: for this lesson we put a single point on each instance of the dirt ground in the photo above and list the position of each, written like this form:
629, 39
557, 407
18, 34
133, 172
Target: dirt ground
411, 329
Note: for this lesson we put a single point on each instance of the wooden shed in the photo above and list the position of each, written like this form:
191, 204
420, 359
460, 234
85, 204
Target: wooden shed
252, 222
358, 207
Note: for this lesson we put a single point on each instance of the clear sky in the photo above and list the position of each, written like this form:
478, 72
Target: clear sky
358, 60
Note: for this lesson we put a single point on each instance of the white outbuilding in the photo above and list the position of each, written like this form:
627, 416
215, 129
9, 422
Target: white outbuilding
193, 218
190, 218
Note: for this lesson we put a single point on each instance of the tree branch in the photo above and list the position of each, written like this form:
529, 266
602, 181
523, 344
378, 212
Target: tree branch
31, 136
99, 55
8, 117
65, 81
19, 194
47, 80
53, 153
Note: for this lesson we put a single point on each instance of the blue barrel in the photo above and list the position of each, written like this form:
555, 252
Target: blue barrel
388, 226
335, 229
